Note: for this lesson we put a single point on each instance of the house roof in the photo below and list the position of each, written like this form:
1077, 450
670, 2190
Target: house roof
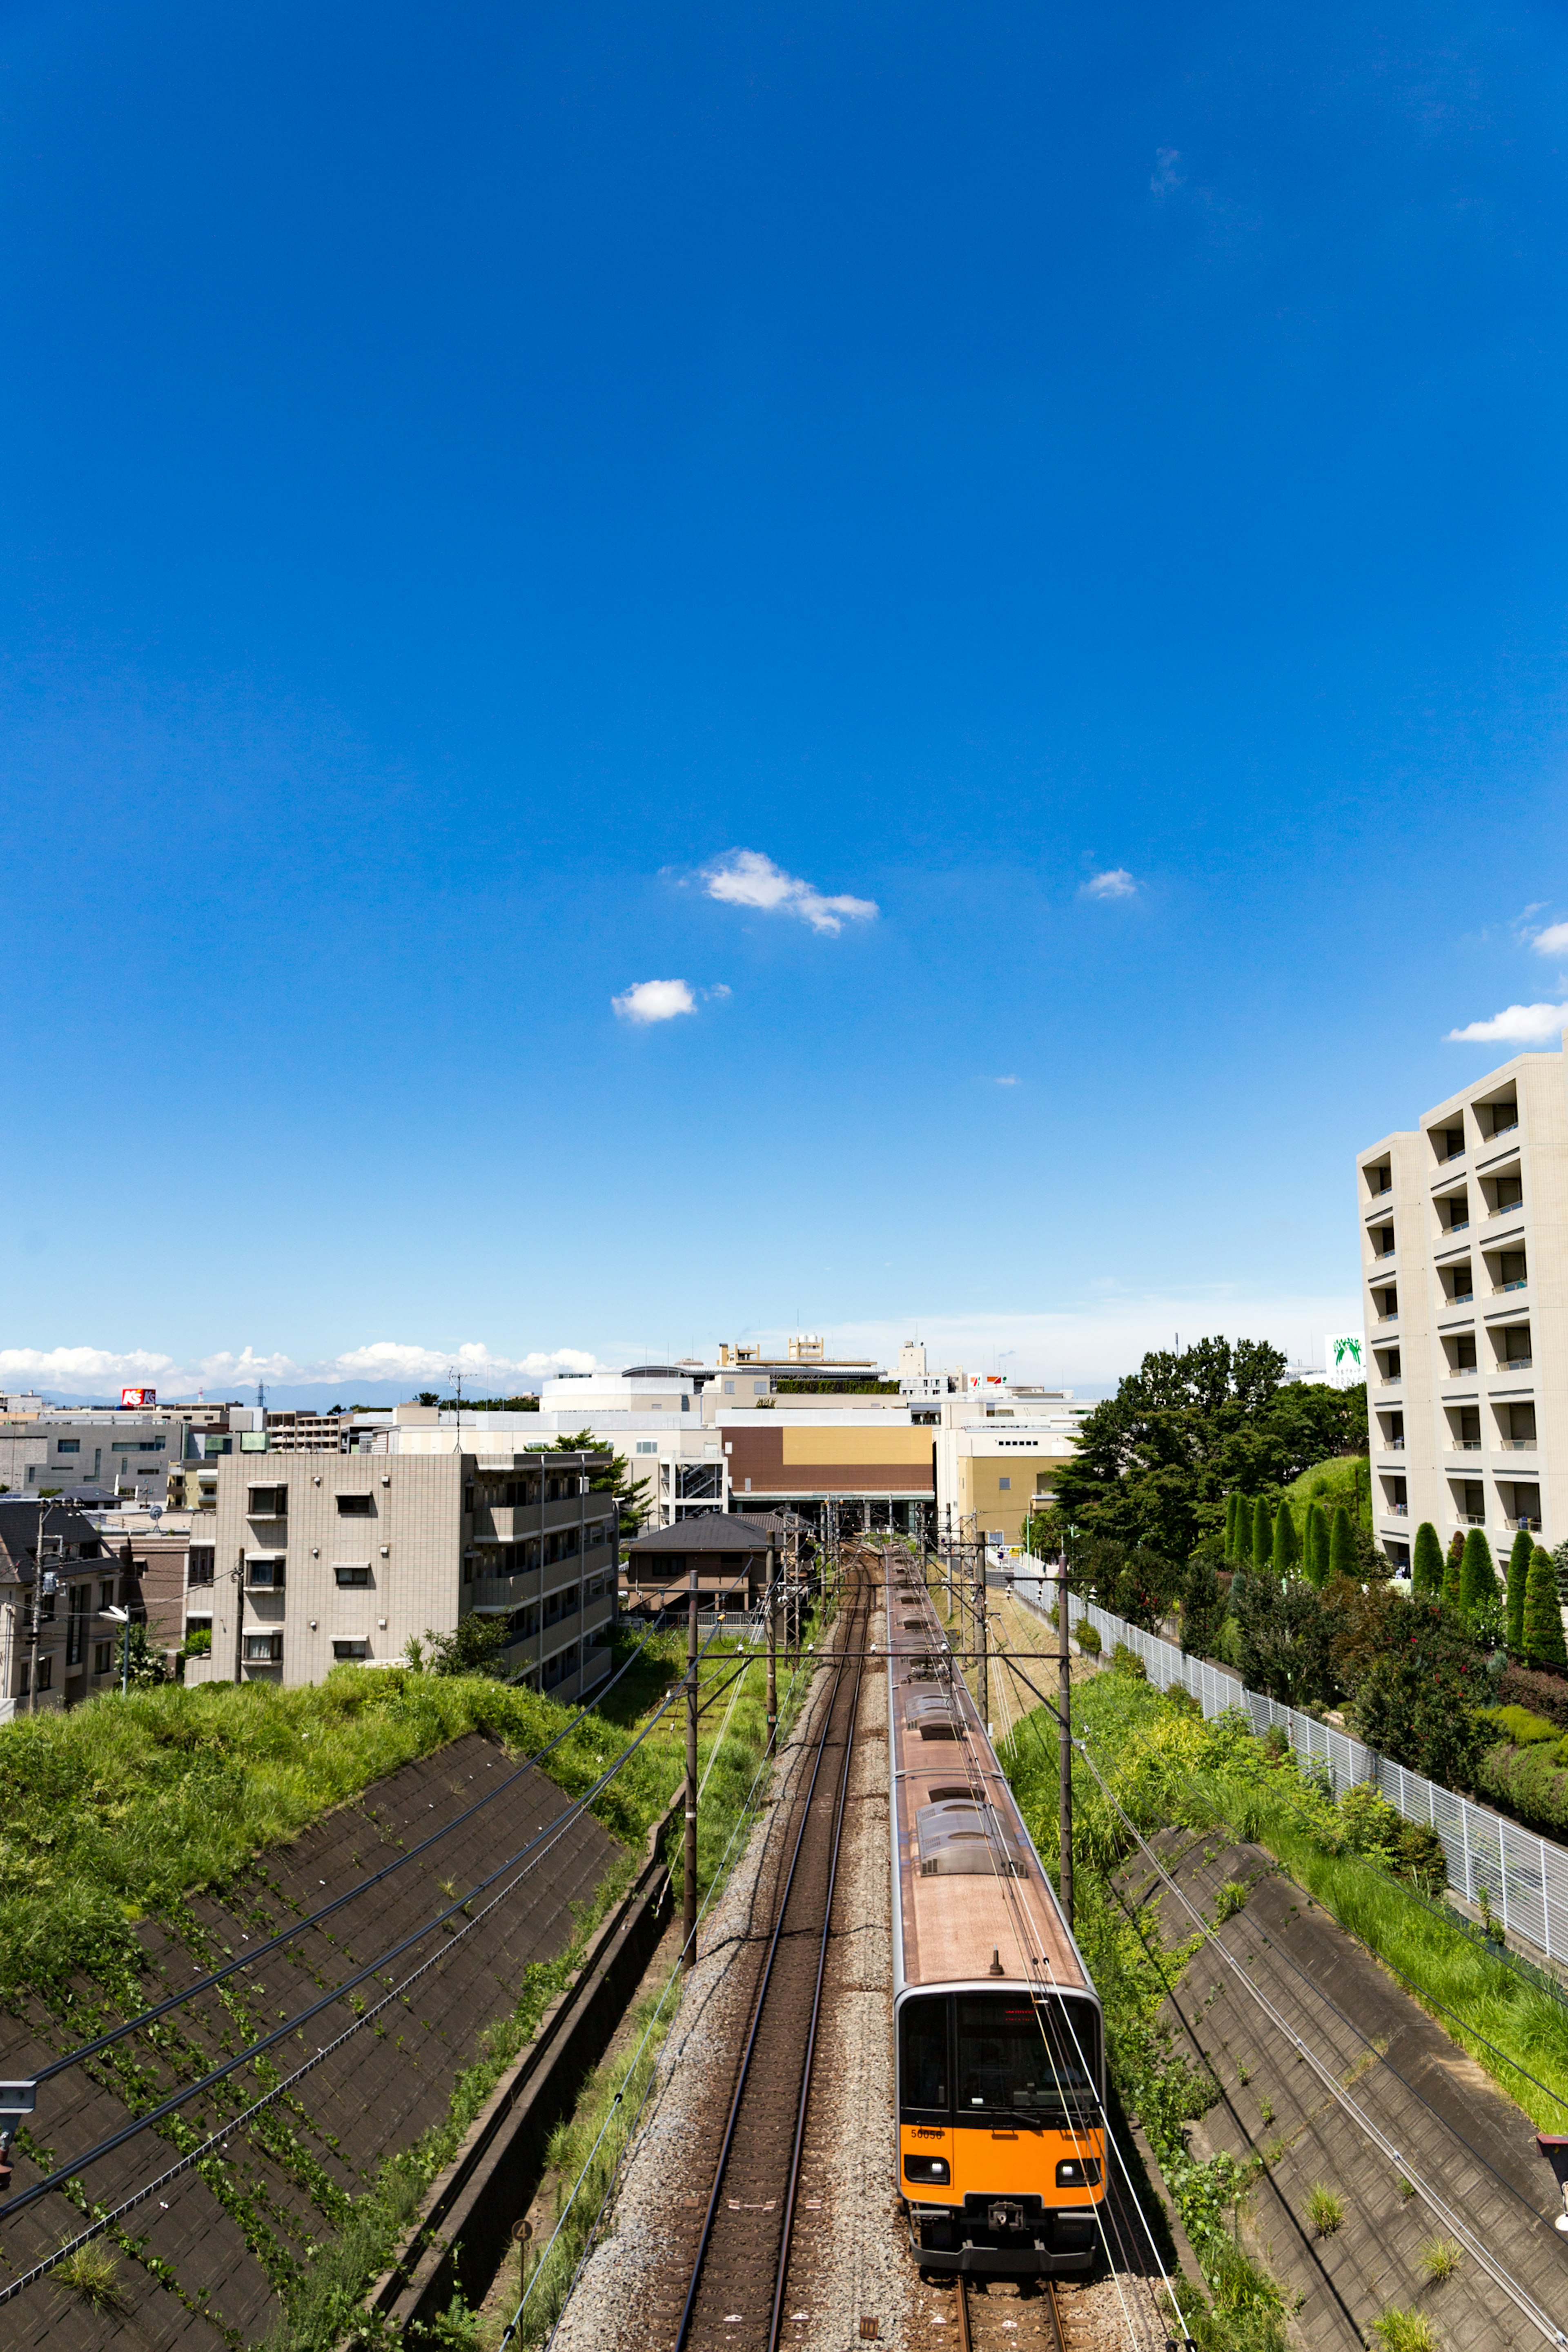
709, 1531
19, 1518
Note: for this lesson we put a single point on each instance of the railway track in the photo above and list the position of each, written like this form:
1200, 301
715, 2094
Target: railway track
1016, 2318
735, 2292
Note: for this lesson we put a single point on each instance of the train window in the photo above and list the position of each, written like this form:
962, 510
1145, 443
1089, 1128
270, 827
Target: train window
925, 2053
1026, 2058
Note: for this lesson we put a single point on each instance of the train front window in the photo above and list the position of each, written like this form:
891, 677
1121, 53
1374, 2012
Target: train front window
1026, 2059
925, 2053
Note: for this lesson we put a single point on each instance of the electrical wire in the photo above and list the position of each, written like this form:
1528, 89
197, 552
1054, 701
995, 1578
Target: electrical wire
289, 1934
348, 1984
1461, 2230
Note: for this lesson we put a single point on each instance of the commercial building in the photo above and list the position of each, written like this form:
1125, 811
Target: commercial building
1464, 1237
993, 1467
316, 1558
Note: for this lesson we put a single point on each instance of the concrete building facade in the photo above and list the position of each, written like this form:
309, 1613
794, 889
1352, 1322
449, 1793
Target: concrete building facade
318, 1557
1464, 1239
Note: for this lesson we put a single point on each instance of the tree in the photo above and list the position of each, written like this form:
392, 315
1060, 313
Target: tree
1453, 1569
1426, 1568
616, 1480
427, 1396
1543, 1644
1286, 1546
473, 1647
1478, 1577
1262, 1534
1203, 1610
1241, 1532
1285, 1633
1315, 1546
1342, 1544
1156, 1462
1416, 1703
1518, 1577
1231, 1500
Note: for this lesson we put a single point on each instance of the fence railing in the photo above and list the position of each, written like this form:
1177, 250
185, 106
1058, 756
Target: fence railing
1525, 1877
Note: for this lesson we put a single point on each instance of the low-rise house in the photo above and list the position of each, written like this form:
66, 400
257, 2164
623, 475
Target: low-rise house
728, 1554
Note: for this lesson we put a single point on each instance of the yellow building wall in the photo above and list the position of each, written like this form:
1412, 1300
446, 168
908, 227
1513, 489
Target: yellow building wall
852, 1445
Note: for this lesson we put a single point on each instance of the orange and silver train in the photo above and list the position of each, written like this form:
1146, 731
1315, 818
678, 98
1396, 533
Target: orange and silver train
1000, 2047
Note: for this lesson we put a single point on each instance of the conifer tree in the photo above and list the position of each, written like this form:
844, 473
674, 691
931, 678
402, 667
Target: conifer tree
1518, 1577
1452, 1568
1287, 1545
1262, 1548
1231, 1501
1342, 1544
1543, 1643
1478, 1577
1315, 1545
1426, 1569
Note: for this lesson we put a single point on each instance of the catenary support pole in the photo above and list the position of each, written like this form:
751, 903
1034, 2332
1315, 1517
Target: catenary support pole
688, 1928
772, 1608
981, 1630
1064, 1706
37, 1614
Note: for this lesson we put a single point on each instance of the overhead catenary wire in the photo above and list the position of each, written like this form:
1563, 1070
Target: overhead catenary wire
1106, 2220
1468, 2237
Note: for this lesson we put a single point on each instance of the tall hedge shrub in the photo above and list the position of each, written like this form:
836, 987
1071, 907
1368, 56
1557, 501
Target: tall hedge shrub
1518, 1578
1231, 1507
1426, 1568
1262, 1535
1453, 1569
1478, 1577
1543, 1644
1315, 1545
1287, 1544
1342, 1544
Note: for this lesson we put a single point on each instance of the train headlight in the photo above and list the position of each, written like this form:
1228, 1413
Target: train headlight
1079, 2172
927, 2168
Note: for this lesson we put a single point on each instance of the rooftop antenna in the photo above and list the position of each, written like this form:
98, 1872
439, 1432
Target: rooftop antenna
262, 1396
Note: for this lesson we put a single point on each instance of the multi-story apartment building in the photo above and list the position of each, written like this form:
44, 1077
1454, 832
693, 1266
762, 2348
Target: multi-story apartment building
1465, 1269
77, 1649
308, 1559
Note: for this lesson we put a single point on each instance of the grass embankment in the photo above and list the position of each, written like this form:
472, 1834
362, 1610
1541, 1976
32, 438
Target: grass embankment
126, 1806
1166, 1765
1343, 1479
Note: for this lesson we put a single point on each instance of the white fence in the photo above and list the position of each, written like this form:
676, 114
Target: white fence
1525, 1876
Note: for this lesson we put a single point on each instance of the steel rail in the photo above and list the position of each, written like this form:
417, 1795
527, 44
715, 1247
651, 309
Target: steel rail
758, 2005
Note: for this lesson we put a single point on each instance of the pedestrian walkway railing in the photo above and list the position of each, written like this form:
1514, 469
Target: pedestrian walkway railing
1524, 1878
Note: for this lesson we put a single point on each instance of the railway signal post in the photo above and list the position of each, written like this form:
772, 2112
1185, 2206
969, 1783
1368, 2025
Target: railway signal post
772, 1608
688, 1932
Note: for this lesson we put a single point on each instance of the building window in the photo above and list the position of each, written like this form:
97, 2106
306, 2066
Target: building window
265, 1575
351, 1649
1005, 1485
729, 1388
356, 1572
355, 1507
264, 1649
102, 1657
648, 1445
67, 1445
202, 1559
46, 1674
269, 1502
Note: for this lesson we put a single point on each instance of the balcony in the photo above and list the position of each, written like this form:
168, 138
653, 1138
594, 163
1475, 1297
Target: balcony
1508, 1208
1459, 1225
1391, 1381
1451, 1156
1518, 1445
1461, 1299
1507, 1127
1470, 1518
1399, 1510
1526, 1526
1379, 1255
1464, 1445
1390, 1319
1391, 1445
1501, 1289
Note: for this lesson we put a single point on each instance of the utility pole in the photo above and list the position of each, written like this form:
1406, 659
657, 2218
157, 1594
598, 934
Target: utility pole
1064, 1710
772, 1608
983, 1674
37, 1612
688, 1936
948, 1546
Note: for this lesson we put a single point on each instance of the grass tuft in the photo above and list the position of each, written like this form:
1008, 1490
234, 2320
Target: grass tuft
1325, 2209
1405, 2331
93, 2273
1440, 2258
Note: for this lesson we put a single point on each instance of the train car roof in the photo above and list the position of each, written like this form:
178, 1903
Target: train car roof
967, 1881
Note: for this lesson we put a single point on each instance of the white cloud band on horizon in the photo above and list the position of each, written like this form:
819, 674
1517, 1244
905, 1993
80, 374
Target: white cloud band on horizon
655, 1000
1516, 1024
81, 1372
745, 877
1115, 883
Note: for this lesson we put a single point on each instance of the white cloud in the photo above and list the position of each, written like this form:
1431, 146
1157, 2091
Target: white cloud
717, 994
744, 878
1003, 1082
1517, 1024
1115, 883
1552, 940
655, 1000
1167, 173
91, 1372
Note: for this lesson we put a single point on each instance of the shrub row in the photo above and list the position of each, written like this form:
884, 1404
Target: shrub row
1545, 1695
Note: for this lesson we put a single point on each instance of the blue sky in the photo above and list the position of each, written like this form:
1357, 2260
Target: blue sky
471, 474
